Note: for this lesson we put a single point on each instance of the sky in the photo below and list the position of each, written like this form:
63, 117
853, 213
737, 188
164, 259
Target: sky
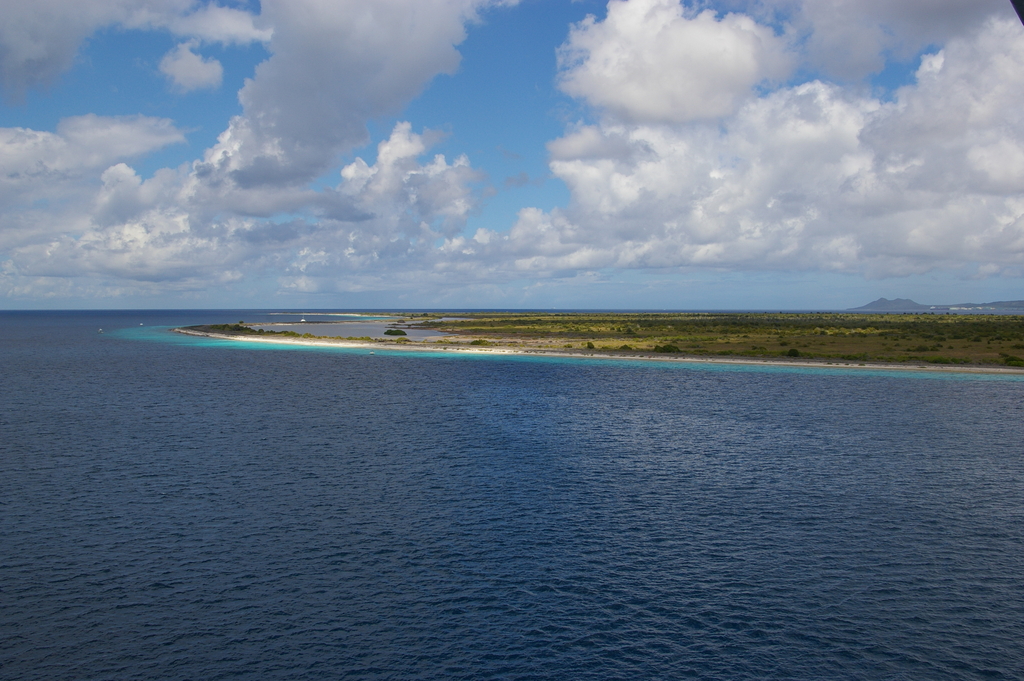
570, 154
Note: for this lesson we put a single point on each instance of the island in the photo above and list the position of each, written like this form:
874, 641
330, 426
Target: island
907, 305
936, 341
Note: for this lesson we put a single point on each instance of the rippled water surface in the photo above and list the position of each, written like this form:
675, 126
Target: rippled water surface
177, 508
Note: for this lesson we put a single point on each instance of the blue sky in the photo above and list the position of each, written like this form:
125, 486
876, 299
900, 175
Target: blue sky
798, 154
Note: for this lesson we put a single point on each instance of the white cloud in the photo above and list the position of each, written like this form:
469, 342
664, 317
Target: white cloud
39, 39
433, 200
48, 181
216, 24
652, 61
851, 39
190, 71
335, 64
158, 250
35, 163
694, 159
808, 177
164, 231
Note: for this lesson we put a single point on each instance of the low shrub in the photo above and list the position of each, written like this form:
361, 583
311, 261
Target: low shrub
234, 328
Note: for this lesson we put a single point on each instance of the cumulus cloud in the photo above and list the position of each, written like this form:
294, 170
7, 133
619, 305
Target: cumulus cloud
850, 39
61, 166
39, 39
164, 232
334, 65
48, 193
397, 188
808, 177
653, 61
700, 149
190, 71
216, 24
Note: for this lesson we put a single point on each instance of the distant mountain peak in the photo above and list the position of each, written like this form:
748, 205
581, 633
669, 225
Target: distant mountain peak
907, 305
897, 305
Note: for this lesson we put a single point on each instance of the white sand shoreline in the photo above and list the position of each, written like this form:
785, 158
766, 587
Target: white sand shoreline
597, 354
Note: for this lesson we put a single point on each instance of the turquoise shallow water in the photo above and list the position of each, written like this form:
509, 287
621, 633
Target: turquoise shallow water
161, 334
176, 507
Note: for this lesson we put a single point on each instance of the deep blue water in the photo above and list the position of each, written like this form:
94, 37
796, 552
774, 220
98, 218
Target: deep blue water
177, 508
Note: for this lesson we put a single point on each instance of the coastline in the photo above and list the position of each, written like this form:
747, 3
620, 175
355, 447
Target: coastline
597, 354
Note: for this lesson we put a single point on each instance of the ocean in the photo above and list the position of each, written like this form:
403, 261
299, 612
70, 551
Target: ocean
182, 508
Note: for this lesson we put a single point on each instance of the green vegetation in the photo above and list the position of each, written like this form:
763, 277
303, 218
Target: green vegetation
847, 337
993, 340
229, 328
240, 330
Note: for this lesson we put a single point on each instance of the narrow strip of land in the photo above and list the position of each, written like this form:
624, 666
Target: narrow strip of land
954, 343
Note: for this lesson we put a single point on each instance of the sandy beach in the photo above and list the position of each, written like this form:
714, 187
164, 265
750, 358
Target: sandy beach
462, 346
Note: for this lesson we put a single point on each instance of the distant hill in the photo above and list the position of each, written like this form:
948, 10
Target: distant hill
886, 305
907, 305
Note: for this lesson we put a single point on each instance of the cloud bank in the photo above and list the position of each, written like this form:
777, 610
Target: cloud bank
734, 137
809, 176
